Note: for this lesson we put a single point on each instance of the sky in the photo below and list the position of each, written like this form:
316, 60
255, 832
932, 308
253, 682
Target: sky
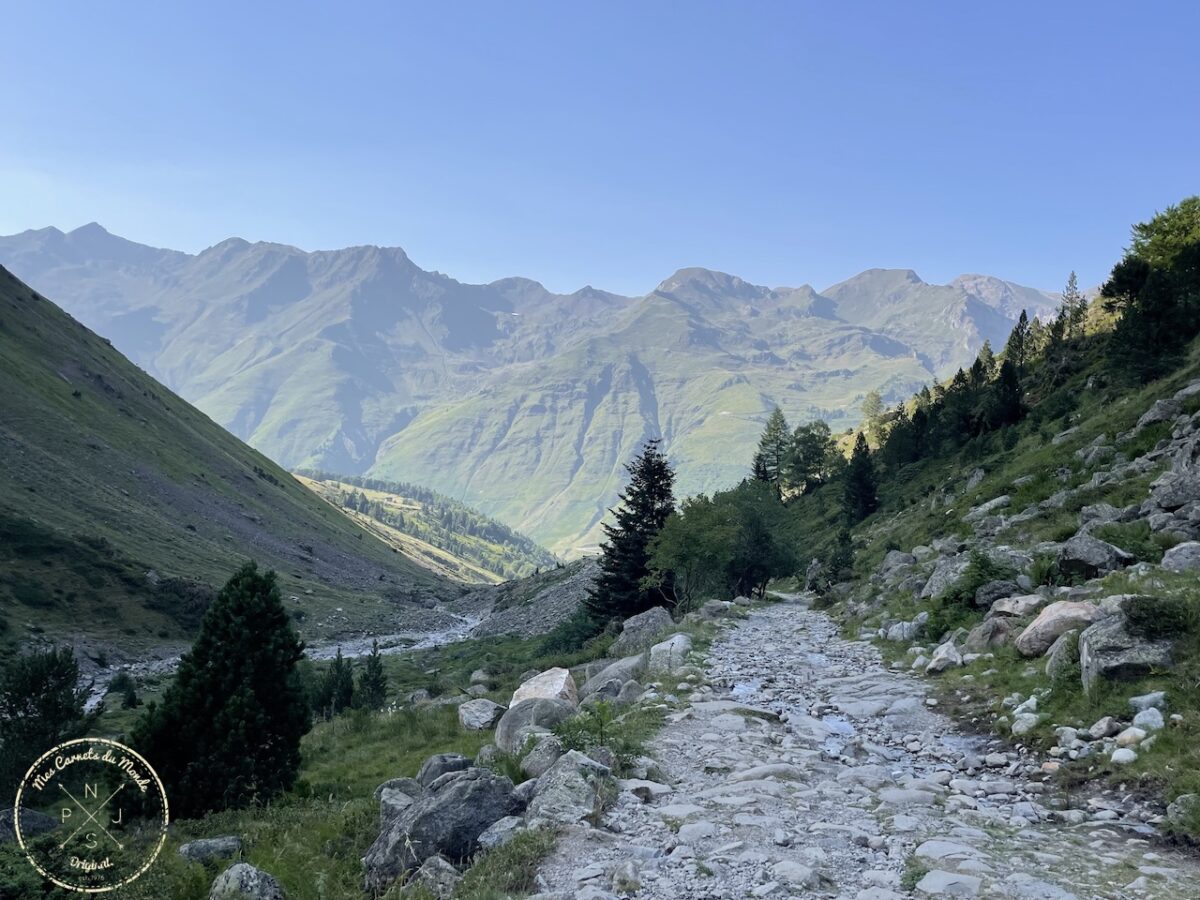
610, 143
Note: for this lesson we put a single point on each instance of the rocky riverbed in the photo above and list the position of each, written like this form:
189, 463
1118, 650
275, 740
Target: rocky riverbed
806, 768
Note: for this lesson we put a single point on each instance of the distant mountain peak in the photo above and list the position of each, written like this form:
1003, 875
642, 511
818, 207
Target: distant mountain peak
709, 282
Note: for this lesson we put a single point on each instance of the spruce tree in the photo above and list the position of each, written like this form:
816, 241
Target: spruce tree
774, 446
872, 410
228, 730
860, 485
337, 687
40, 705
620, 589
372, 682
1017, 349
1074, 309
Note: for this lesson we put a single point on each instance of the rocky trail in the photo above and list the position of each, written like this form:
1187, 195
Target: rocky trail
806, 768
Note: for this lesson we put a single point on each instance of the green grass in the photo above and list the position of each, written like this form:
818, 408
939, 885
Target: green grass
1138, 539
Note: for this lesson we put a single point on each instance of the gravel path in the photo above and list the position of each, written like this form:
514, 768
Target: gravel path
805, 768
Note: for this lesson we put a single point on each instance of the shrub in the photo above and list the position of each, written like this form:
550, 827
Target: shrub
40, 706
1161, 618
1138, 539
980, 570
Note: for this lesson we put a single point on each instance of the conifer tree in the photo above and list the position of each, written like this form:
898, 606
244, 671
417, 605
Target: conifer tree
228, 730
372, 681
987, 360
860, 485
621, 589
1074, 309
41, 705
774, 446
336, 693
872, 410
1016, 350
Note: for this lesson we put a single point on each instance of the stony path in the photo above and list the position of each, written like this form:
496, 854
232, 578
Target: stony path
805, 768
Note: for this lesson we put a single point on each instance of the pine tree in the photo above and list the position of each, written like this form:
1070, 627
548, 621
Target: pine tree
1073, 310
860, 485
872, 410
228, 730
987, 360
1017, 349
372, 681
619, 590
774, 446
336, 693
40, 706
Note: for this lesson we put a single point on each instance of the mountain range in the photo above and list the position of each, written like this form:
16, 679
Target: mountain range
122, 507
519, 401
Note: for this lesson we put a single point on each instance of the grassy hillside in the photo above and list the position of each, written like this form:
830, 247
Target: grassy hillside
447, 536
120, 504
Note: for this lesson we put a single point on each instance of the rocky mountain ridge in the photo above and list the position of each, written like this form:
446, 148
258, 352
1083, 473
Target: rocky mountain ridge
358, 361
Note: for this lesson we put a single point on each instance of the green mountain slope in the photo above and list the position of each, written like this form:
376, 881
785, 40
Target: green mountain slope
120, 504
444, 534
522, 403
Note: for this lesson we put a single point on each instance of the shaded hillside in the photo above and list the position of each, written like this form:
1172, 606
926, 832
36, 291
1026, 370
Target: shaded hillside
120, 504
447, 536
358, 361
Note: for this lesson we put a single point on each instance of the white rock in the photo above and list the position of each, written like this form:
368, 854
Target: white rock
553, 684
1123, 756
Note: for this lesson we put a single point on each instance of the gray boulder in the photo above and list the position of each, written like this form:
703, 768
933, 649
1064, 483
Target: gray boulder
622, 670
438, 877
210, 849
242, 881
1055, 620
1161, 411
1183, 812
439, 764
895, 560
630, 691
1108, 652
1183, 557
715, 609
530, 717
669, 655
978, 513
544, 754
1181, 485
1063, 654
501, 832
1091, 557
946, 571
571, 791
479, 715
446, 821
989, 593
397, 795
989, 634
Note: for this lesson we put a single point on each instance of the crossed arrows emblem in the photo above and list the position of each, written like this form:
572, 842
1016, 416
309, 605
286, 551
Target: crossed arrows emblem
91, 817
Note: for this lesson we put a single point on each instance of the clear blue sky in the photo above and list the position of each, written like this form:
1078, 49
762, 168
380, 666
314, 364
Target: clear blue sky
610, 143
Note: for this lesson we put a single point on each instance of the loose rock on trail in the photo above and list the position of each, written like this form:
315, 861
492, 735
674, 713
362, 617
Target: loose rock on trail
809, 769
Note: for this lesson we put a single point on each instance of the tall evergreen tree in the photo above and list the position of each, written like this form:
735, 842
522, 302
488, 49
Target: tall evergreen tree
774, 445
372, 681
987, 360
812, 456
860, 484
1017, 349
1073, 310
621, 589
336, 693
228, 730
40, 706
872, 411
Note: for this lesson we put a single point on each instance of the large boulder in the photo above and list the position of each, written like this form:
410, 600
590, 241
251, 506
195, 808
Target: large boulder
438, 877
895, 560
640, 631
631, 667
1181, 485
946, 656
1055, 620
571, 791
553, 684
211, 849
989, 593
1108, 652
1091, 557
446, 821
530, 717
544, 754
242, 881
715, 609
1183, 557
396, 795
439, 764
1063, 654
479, 715
669, 655
989, 634
978, 513
1161, 411
1018, 607
946, 571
